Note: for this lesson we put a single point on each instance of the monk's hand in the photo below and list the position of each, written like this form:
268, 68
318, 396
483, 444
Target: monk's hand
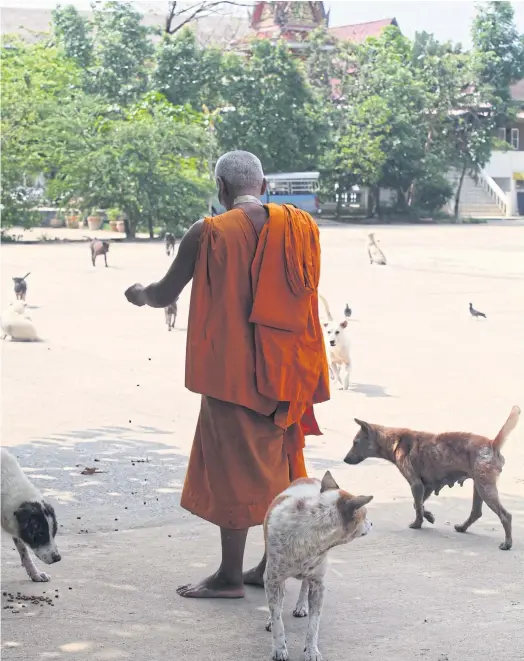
136, 294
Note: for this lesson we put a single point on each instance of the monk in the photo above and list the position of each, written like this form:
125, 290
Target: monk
255, 353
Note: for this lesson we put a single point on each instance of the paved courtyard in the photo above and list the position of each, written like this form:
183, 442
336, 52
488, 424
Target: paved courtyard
105, 389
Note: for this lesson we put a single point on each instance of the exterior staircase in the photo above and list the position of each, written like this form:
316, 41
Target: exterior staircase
475, 200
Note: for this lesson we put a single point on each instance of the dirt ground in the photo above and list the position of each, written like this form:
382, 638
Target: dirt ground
107, 384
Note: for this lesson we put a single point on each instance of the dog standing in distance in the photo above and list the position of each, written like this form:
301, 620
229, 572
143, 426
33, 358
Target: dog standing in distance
170, 241
375, 254
301, 525
431, 461
27, 518
20, 287
171, 312
99, 247
338, 348
16, 324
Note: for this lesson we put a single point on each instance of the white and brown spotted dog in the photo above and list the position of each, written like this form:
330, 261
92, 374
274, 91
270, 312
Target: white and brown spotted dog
27, 518
301, 525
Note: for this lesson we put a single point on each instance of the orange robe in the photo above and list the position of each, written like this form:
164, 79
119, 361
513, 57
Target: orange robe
255, 351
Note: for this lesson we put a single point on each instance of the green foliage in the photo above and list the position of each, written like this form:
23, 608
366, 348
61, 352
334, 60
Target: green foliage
498, 48
273, 111
73, 33
150, 165
36, 78
186, 73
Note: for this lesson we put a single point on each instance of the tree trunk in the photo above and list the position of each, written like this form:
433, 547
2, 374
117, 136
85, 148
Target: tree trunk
339, 200
370, 202
458, 192
150, 226
130, 226
376, 195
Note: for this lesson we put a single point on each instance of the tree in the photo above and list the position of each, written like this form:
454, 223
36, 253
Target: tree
181, 14
274, 112
149, 162
30, 95
187, 73
115, 52
498, 48
73, 33
356, 156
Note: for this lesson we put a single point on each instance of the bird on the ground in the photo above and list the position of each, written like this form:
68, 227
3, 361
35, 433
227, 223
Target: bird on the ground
347, 311
475, 313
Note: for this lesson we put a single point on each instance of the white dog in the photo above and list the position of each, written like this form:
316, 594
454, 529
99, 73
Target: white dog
302, 524
27, 518
338, 348
375, 254
17, 324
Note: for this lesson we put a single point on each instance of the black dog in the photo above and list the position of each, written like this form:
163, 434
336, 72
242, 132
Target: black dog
20, 287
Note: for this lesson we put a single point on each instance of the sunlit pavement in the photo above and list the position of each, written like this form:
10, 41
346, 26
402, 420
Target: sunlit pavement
105, 390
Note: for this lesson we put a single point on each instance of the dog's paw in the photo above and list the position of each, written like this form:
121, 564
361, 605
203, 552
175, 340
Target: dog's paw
40, 577
300, 611
312, 655
505, 546
460, 527
429, 516
280, 654
416, 524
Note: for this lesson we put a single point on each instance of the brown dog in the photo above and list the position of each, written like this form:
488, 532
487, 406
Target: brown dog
431, 461
99, 247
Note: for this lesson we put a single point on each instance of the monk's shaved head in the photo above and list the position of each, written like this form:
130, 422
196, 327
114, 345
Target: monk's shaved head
239, 173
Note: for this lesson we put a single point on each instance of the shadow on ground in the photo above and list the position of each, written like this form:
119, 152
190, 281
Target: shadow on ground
399, 594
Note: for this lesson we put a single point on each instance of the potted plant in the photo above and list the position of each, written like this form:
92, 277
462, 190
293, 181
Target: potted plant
58, 220
94, 220
72, 219
120, 225
113, 216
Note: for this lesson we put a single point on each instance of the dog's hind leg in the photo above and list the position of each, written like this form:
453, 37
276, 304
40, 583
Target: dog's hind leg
490, 495
315, 599
301, 609
105, 258
275, 600
27, 563
476, 512
417, 489
427, 514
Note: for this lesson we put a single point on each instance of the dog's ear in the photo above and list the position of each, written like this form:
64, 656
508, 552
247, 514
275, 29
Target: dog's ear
328, 482
344, 324
365, 426
354, 504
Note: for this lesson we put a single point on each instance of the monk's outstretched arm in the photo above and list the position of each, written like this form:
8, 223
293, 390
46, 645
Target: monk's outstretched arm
162, 293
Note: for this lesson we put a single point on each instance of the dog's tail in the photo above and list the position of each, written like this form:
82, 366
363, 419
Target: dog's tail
25, 276
326, 307
507, 428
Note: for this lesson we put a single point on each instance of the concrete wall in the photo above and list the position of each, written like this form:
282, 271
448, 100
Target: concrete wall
504, 164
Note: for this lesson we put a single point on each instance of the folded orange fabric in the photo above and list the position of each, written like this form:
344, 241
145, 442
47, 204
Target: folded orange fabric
287, 268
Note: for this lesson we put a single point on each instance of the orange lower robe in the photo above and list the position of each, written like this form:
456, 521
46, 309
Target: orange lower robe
255, 352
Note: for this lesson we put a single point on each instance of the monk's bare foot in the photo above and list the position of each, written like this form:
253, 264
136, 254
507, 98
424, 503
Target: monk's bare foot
255, 577
214, 587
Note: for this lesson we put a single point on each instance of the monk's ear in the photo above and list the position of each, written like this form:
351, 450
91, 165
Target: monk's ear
328, 482
264, 186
